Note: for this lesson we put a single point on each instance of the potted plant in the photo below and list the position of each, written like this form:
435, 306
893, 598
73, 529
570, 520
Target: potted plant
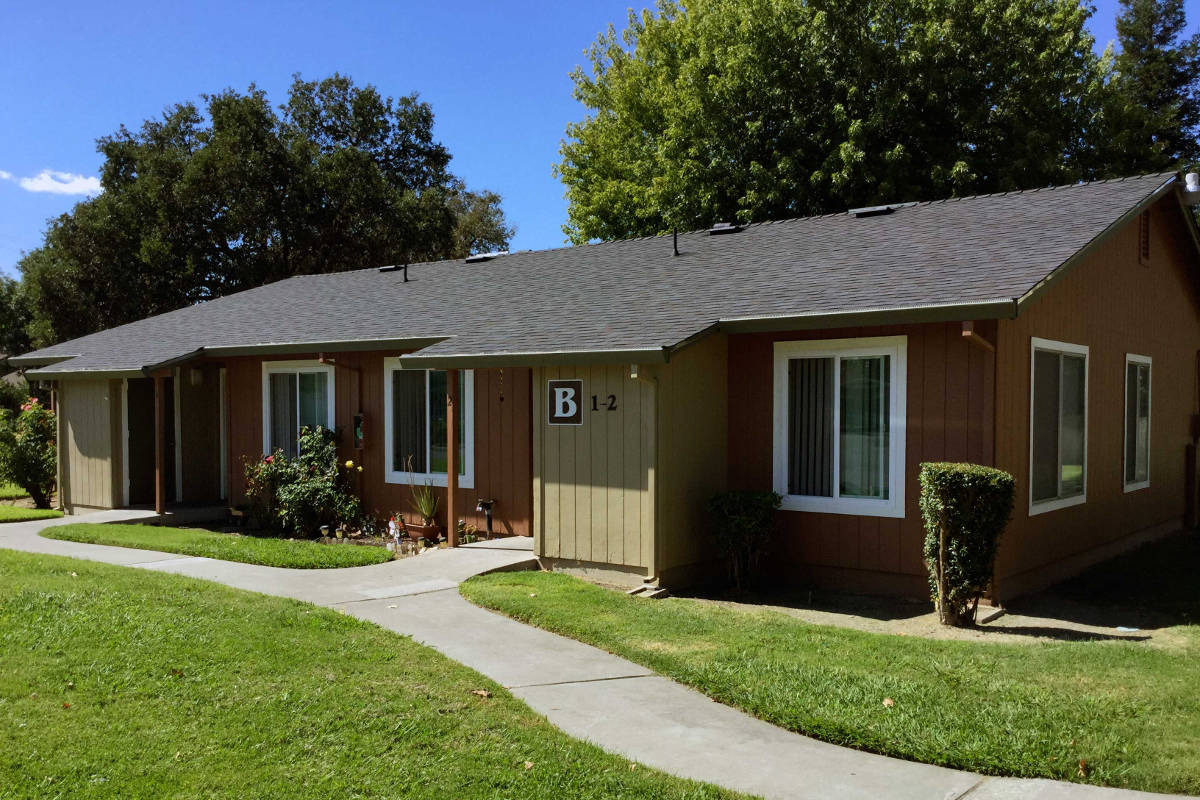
425, 504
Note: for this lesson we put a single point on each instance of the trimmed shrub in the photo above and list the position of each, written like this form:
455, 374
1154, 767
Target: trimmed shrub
298, 495
742, 526
28, 456
965, 508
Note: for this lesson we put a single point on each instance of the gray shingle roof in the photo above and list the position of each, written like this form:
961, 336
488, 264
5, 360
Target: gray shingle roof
635, 295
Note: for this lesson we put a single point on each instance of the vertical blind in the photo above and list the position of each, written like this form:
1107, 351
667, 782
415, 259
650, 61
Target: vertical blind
864, 427
810, 445
1137, 422
861, 418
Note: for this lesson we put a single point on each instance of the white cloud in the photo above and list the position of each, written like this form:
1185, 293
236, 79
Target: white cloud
5, 176
54, 182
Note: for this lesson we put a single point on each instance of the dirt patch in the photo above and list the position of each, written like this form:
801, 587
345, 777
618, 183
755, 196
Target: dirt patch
907, 618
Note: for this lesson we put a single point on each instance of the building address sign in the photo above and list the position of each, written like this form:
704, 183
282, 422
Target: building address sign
565, 402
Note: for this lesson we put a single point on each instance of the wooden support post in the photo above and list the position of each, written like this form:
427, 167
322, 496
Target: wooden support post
451, 456
160, 435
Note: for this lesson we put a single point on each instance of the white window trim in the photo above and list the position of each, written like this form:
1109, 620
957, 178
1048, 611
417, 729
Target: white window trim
1052, 346
466, 397
894, 346
1133, 358
270, 368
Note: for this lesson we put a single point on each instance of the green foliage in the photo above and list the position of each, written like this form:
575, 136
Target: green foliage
1149, 112
1129, 709
13, 394
123, 683
289, 553
425, 502
742, 525
215, 199
15, 315
298, 495
965, 508
760, 109
28, 456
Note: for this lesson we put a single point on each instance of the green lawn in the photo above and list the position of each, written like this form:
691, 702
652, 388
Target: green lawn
130, 684
1129, 710
10, 491
18, 514
225, 546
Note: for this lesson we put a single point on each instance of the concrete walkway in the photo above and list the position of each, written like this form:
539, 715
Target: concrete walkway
590, 694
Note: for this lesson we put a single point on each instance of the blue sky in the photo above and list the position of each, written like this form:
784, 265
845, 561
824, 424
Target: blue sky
496, 74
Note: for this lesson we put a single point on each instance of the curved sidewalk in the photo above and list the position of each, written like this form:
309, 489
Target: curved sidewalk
593, 695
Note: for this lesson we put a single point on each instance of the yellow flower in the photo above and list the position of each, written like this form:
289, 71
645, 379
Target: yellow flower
360, 469
349, 465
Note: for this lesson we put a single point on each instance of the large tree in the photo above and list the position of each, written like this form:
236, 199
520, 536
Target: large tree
14, 319
1149, 113
757, 109
207, 201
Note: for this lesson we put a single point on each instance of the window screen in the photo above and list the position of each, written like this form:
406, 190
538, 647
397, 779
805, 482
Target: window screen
1059, 425
1137, 422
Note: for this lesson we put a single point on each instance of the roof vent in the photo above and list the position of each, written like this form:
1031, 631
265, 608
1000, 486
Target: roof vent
877, 211
394, 268
724, 227
478, 257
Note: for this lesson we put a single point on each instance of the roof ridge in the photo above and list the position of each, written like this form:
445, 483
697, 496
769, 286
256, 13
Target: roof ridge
826, 215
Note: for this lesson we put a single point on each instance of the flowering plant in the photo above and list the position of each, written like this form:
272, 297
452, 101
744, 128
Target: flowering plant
28, 456
299, 494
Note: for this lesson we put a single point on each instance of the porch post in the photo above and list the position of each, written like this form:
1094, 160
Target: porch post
451, 456
160, 433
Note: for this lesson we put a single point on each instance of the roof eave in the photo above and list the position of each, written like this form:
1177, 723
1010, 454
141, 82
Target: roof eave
1002, 308
34, 360
654, 355
83, 374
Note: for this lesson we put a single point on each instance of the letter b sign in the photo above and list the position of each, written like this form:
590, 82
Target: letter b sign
564, 402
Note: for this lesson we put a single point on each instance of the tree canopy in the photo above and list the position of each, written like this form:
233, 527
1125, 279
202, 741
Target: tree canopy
704, 110
210, 200
1150, 103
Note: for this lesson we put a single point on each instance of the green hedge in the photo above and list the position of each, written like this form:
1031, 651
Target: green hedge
965, 508
742, 523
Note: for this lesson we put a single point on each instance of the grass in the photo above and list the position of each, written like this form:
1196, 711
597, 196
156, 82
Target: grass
18, 514
225, 546
123, 683
10, 491
1108, 712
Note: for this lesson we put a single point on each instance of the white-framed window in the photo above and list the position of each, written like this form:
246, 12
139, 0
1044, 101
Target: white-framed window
1137, 422
414, 414
839, 425
296, 394
1057, 425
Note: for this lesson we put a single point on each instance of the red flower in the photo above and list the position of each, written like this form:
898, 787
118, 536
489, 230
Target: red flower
269, 460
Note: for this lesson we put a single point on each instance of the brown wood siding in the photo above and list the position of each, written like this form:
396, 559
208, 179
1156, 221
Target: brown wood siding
1114, 305
950, 418
200, 431
503, 458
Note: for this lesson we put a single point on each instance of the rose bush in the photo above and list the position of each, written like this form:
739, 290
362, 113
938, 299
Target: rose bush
297, 495
28, 456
